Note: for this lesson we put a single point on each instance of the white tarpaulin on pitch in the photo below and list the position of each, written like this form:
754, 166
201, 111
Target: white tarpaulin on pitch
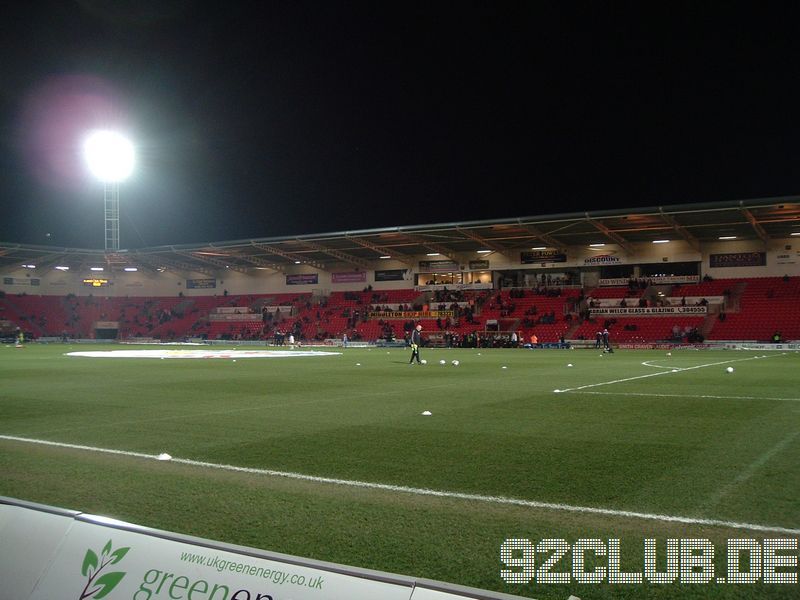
201, 353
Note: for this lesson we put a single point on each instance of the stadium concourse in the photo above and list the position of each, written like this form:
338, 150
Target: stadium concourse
680, 274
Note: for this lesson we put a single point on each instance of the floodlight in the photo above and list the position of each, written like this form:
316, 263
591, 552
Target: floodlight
661, 241
109, 156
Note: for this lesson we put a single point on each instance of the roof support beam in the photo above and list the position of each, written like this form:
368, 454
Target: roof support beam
159, 260
438, 248
383, 250
211, 261
622, 242
254, 260
144, 264
756, 225
680, 230
487, 243
547, 239
44, 261
343, 256
295, 258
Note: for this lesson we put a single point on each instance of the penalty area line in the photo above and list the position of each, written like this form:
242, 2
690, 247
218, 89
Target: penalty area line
497, 500
692, 396
672, 372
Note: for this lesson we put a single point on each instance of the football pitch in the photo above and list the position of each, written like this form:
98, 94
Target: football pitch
330, 457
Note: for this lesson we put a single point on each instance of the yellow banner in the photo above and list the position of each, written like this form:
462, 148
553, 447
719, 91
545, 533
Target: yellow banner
412, 314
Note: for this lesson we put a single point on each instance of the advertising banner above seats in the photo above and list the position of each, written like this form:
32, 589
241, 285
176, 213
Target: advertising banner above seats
651, 311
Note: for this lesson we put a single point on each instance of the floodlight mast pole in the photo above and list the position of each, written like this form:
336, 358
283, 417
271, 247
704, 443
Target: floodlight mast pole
111, 202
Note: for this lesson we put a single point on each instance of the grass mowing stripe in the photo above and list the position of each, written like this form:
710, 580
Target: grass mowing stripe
679, 370
231, 411
751, 469
428, 492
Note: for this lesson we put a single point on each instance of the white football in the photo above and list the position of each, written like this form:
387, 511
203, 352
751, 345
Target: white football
455, 363
424, 362
729, 369
442, 362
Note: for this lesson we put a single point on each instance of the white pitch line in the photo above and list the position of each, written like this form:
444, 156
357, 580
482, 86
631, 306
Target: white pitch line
693, 396
647, 364
503, 500
716, 364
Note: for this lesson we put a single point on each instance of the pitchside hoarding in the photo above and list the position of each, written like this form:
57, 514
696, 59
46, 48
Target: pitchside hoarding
29, 540
48, 553
123, 564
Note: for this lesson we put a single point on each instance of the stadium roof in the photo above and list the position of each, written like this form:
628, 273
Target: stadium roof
763, 219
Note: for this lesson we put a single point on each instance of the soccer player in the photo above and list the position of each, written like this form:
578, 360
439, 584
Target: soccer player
606, 344
416, 340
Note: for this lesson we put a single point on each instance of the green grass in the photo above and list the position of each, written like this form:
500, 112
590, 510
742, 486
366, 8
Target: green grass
650, 444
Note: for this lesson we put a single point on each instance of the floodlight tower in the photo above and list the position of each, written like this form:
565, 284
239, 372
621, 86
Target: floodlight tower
110, 157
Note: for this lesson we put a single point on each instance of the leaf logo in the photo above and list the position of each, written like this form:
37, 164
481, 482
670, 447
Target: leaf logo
99, 586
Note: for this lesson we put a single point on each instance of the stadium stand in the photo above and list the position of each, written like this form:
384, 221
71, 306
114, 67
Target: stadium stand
750, 309
766, 306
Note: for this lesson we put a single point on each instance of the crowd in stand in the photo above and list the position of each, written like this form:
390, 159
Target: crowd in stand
687, 333
315, 319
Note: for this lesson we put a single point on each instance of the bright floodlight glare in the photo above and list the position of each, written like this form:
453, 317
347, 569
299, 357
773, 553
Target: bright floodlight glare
109, 155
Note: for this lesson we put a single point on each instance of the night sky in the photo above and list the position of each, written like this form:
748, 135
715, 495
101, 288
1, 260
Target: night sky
259, 119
